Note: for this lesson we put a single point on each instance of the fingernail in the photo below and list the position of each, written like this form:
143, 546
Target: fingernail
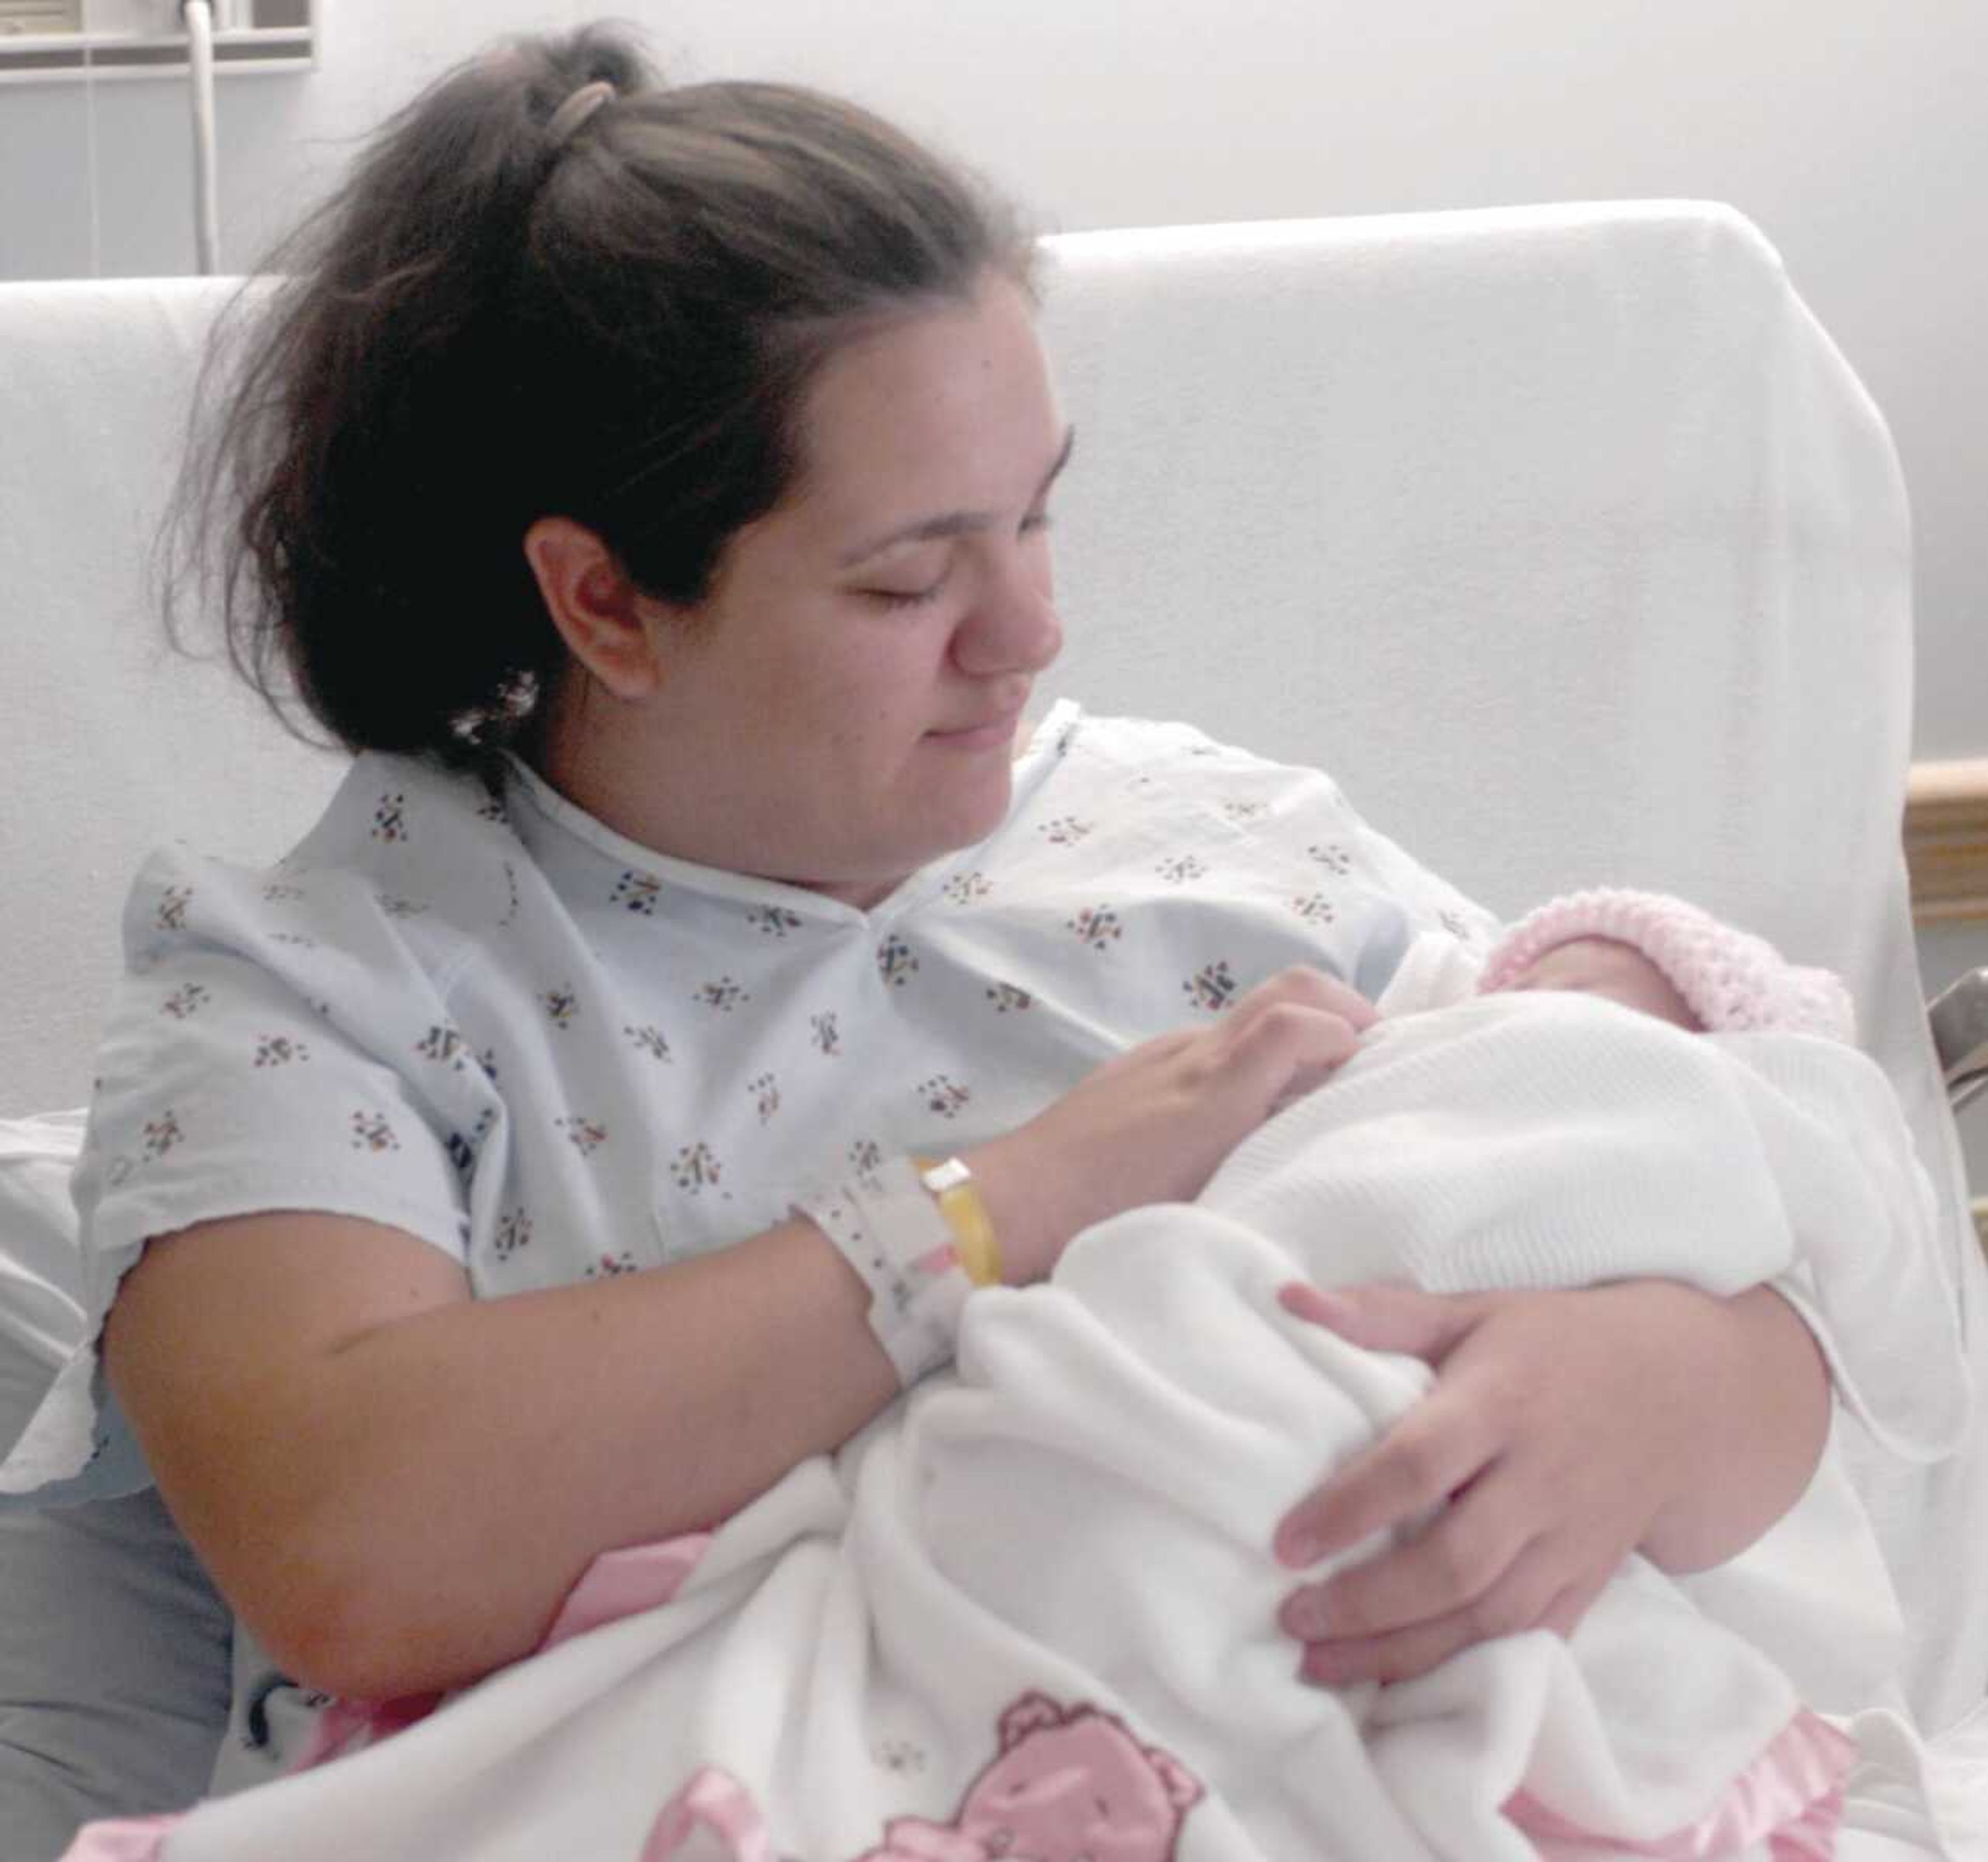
1323, 1667
1301, 1617
1297, 1546
1298, 1298
1305, 1301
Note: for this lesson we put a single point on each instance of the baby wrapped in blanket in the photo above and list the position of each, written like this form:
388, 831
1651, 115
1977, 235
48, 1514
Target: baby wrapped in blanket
1030, 1611
1151, 1413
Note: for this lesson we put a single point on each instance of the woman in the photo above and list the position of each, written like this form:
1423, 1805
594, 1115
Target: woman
653, 486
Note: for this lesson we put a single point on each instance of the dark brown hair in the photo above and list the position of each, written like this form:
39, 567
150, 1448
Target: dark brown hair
485, 326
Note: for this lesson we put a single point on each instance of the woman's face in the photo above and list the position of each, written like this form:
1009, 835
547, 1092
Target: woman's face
843, 706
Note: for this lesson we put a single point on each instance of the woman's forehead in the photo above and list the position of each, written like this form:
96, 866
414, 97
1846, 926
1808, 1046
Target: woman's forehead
953, 403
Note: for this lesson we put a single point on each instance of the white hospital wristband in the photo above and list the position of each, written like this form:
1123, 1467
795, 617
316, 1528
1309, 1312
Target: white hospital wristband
889, 1227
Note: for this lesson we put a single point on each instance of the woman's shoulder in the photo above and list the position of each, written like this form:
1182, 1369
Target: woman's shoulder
405, 850
356, 942
285, 1032
1169, 763
1125, 737
1213, 830
415, 830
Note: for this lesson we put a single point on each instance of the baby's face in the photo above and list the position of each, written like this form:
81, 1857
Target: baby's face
1617, 972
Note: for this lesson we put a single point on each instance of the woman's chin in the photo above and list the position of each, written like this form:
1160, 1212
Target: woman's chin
985, 807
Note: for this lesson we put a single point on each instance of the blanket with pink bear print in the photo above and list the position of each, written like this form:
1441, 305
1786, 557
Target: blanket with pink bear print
1029, 1612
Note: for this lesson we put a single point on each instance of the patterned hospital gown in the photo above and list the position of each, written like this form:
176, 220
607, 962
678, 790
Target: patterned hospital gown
465, 1009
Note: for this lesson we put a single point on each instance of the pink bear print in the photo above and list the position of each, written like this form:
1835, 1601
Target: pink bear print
1069, 1783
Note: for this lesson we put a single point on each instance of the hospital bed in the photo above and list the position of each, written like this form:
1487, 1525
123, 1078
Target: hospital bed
1562, 537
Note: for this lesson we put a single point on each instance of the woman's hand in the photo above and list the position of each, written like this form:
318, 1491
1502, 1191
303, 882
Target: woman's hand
1565, 1431
1152, 1124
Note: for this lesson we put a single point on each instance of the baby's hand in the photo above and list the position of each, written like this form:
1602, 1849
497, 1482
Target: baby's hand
1619, 973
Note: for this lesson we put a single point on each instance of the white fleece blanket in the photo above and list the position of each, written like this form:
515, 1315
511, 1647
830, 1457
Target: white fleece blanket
1029, 1611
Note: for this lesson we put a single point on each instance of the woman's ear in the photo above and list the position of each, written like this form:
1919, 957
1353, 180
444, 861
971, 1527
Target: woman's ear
608, 624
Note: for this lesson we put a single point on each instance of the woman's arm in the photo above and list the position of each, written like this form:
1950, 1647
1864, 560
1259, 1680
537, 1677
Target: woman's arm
1568, 1428
396, 1485
1565, 1430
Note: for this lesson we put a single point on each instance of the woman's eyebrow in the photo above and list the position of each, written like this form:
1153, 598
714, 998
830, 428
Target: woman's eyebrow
953, 523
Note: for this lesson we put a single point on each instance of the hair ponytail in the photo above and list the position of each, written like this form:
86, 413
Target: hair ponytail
489, 324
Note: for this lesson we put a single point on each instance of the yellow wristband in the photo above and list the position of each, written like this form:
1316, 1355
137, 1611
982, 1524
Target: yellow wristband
958, 1196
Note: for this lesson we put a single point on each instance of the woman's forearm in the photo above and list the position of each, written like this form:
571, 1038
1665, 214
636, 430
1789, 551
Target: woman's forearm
563, 1423
402, 1505
1756, 1391
396, 1485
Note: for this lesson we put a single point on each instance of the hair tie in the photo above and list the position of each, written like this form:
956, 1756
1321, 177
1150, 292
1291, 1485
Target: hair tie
568, 118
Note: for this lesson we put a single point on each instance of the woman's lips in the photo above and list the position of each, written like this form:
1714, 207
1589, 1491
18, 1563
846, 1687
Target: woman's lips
986, 736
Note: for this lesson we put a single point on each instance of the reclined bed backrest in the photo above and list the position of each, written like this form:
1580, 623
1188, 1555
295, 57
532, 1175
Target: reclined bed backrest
114, 743
1562, 536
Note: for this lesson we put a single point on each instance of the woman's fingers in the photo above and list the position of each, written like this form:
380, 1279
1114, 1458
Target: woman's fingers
1433, 1450
1524, 1599
1384, 1318
1289, 1035
1300, 985
1468, 1551
1153, 1124
1518, 1483
1286, 1050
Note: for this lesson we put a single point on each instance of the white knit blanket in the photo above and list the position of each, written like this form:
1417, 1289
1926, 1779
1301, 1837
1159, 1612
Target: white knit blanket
1029, 1611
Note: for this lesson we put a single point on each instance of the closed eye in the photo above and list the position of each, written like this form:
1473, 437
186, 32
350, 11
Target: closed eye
1033, 524
907, 597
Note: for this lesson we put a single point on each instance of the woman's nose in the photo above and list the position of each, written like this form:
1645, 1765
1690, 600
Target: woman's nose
1014, 626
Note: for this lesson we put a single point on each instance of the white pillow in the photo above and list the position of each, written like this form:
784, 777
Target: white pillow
113, 1646
113, 1671
41, 1307
41, 1273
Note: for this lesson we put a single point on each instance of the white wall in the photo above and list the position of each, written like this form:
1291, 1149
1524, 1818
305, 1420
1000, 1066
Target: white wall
1854, 131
